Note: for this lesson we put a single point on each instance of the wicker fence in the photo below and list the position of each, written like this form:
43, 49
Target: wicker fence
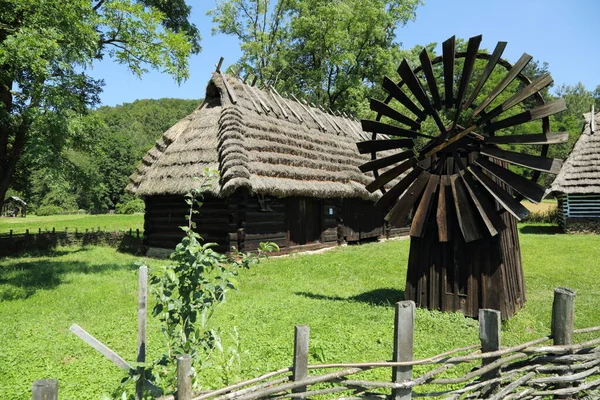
553, 366
43, 240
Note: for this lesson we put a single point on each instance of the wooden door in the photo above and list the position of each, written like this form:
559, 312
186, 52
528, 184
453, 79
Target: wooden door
304, 220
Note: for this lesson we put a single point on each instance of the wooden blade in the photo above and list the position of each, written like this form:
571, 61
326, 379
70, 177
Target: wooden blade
431, 83
402, 208
397, 93
486, 209
384, 109
502, 197
469, 63
391, 174
417, 227
537, 85
413, 84
448, 59
544, 138
386, 161
387, 129
467, 219
530, 190
444, 208
486, 73
369, 146
538, 163
392, 195
529, 115
512, 74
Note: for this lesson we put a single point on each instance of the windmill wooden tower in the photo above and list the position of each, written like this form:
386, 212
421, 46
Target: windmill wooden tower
462, 184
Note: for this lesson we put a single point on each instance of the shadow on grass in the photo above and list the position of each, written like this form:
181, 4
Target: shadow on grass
540, 229
378, 297
22, 279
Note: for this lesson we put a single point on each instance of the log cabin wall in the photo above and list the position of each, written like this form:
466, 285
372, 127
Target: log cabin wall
264, 222
165, 214
579, 212
244, 221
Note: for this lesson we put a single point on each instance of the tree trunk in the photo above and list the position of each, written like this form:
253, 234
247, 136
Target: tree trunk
12, 139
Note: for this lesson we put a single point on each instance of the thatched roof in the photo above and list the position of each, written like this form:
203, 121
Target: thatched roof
581, 171
258, 140
15, 199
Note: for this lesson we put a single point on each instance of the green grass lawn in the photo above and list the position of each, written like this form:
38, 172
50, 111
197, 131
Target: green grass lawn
72, 221
346, 295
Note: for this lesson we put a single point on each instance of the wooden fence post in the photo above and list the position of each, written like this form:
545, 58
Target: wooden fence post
11, 231
489, 335
563, 318
142, 304
300, 368
563, 313
404, 324
45, 389
184, 377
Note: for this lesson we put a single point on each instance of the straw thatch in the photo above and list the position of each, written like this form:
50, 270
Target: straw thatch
258, 140
580, 173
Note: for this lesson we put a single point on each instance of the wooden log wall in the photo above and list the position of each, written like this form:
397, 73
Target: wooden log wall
360, 220
165, 214
579, 212
244, 221
264, 221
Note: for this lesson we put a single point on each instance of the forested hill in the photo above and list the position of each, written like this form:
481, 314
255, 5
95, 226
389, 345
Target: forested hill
92, 172
144, 121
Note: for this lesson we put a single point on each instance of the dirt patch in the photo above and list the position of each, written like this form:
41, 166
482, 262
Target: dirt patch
544, 206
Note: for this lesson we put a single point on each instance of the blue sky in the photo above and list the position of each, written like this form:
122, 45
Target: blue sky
563, 33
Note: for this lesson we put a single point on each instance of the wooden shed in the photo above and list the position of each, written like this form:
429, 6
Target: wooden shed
14, 206
288, 174
577, 186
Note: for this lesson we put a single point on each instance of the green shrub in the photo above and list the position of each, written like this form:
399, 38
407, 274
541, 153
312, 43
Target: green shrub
131, 207
43, 211
549, 217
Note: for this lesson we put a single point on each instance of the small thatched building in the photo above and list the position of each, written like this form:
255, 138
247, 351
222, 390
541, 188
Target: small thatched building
577, 186
288, 174
14, 206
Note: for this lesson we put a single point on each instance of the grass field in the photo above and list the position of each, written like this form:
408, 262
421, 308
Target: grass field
345, 295
72, 221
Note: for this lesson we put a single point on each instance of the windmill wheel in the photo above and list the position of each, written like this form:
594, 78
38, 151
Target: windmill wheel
443, 151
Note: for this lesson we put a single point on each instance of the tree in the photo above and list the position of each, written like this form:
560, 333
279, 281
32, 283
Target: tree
330, 52
45, 48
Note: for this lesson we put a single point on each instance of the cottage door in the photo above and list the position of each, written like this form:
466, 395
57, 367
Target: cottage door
303, 220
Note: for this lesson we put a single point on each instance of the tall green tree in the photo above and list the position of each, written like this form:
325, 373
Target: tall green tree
45, 48
330, 52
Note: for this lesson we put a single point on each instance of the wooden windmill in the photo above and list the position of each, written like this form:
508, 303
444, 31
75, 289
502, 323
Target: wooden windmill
462, 184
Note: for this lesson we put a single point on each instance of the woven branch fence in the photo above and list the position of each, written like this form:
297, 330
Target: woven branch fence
553, 366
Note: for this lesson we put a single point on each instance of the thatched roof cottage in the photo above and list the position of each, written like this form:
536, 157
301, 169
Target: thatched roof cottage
577, 186
288, 173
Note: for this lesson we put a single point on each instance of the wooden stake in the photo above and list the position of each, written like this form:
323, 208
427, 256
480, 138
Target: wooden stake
489, 334
563, 312
45, 389
104, 350
218, 70
404, 323
184, 377
300, 368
